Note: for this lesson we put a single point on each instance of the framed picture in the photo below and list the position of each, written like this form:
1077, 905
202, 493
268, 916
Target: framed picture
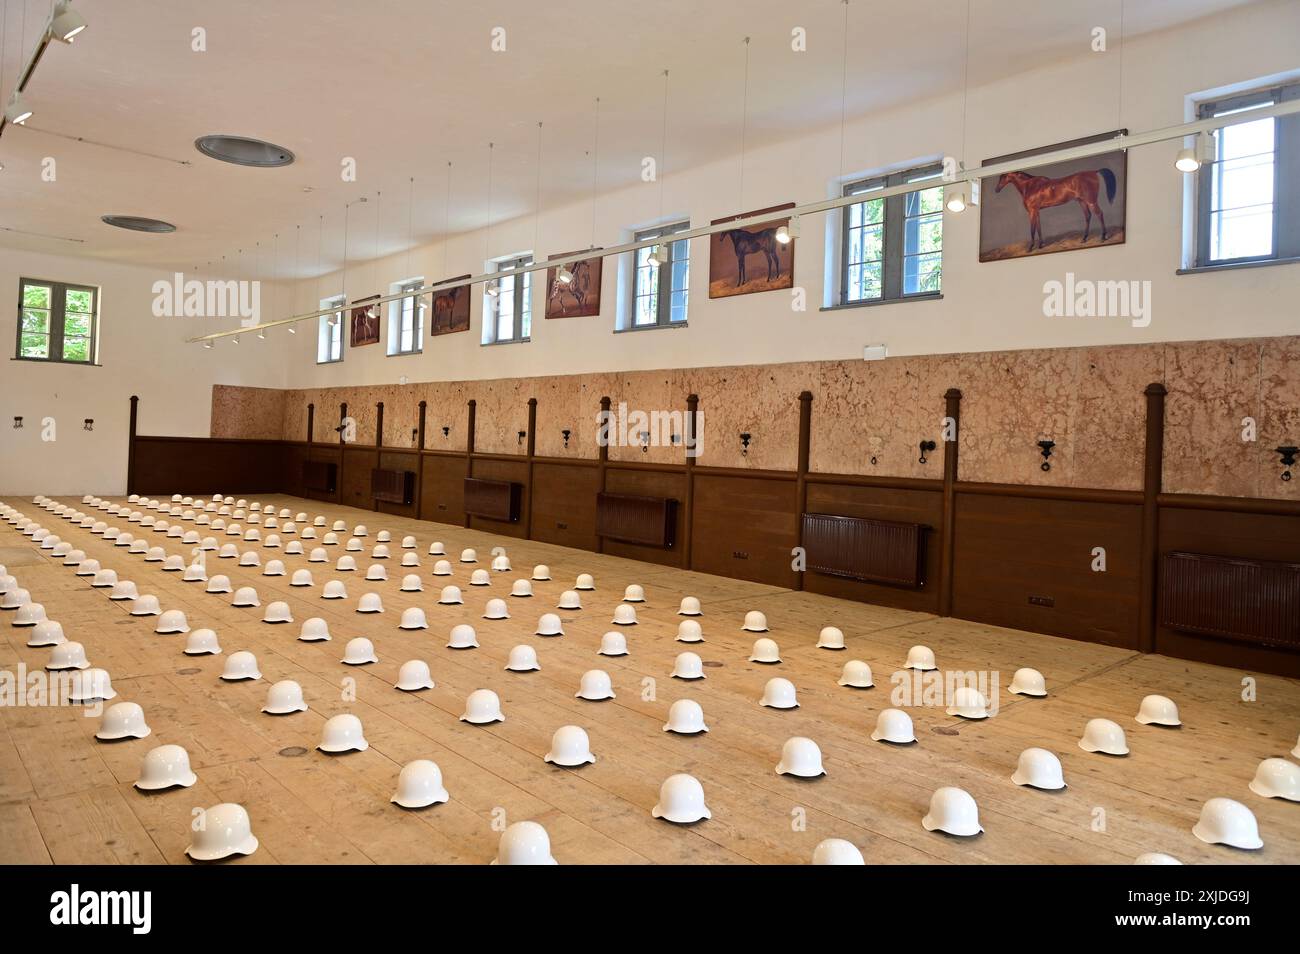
744, 261
365, 322
450, 312
580, 296
1058, 207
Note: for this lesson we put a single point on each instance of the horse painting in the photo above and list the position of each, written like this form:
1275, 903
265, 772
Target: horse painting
450, 311
737, 254
1040, 192
747, 243
580, 296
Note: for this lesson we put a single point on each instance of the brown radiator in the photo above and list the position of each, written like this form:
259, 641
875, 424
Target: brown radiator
858, 548
651, 521
494, 499
319, 475
393, 486
1250, 601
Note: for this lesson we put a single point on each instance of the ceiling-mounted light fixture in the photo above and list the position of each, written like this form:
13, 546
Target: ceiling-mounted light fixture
261, 335
65, 22
962, 194
563, 275
660, 254
17, 112
1201, 153
494, 288
787, 233
235, 340
292, 330
207, 344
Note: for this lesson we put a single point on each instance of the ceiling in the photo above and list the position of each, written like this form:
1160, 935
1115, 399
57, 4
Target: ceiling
407, 86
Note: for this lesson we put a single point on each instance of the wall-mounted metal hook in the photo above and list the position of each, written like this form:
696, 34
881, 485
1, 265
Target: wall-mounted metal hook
1045, 448
445, 432
1288, 454
522, 435
927, 447
644, 438
566, 432
89, 424
745, 438
18, 422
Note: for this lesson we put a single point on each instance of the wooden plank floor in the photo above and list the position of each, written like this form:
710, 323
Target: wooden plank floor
66, 798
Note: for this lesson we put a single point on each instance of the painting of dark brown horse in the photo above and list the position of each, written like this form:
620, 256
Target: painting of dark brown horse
748, 243
1040, 192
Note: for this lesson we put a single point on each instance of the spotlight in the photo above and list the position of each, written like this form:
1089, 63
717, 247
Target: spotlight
958, 198
660, 255
1202, 153
292, 330
235, 339
783, 235
207, 344
261, 335
65, 23
564, 276
494, 288
17, 112
1187, 161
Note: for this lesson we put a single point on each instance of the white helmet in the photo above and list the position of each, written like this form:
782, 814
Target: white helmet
613, 643
681, 800
252, 535
166, 766
690, 607
277, 612
91, 684
414, 675
226, 831
1155, 858
856, 675
408, 542
800, 757
245, 596
343, 733
345, 564
314, 630
1028, 682
954, 811
318, 521
301, 578
146, 605
688, 666
1103, 735
273, 568
541, 572
376, 572
202, 642
920, 657
218, 584
370, 603
360, 530
172, 621
496, 609
765, 651
288, 528
334, 590
570, 747
893, 725
1039, 768
437, 549
419, 785
837, 851
634, 593
318, 555
595, 686
624, 615
47, 632
442, 568
969, 703
122, 720
359, 651
174, 563
307, 533
413, 618
1158, 710
779, 694
411, 583
480, 578
284, 697
468, 556
250, 558
831, 637
549, 625
685, 717
462, 637
569, 600
272, 541
410, 558
87, 568
585, 581
228, 551
523, 658
339, 526
195, 573
293, 547
450, 596
29, 614
482, 706
15, 597
137, 546
104, 578
240, 666
379, 552
67, 655
501, 563
755, 622
521, 588
524, 843
353, 545
1225, 822
1277, 778
689, 631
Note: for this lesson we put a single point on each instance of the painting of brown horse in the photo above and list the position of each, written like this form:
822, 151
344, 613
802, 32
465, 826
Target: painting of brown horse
365, 322
752, 259
450, 309
1054, 208
580, 296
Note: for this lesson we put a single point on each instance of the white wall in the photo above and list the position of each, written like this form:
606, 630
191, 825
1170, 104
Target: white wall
138, 354
993, 306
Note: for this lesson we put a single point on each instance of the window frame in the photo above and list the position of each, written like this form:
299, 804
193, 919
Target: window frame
664, 277
58, 306
334, 301
397, 317
521, 287
1286, 168
893, 225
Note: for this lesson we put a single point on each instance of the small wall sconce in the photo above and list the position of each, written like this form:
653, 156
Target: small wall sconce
415, 436
18, 422
89, 424
644, 438
745, 438
927, 447
1045, 448
1288, 454
566, 432
675, 439
445, 432
522, 435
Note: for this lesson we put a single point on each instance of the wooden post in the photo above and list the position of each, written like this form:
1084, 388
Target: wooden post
801, 475
469, 447
311, 423
1152, 479
379, 449
532, 448
343, 457
130, 445
602, 459
419, 462
952, 423
688, 521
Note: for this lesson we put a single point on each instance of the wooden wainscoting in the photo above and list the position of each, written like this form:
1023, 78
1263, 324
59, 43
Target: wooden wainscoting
161, 464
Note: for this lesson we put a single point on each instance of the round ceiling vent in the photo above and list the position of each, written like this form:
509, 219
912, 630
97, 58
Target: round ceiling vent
137, 223
243, 151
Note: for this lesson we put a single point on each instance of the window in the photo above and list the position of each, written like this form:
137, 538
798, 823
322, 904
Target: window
329, 337
660, 294
511, 308
58, 322
1248, 196
893, 247
406, 320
